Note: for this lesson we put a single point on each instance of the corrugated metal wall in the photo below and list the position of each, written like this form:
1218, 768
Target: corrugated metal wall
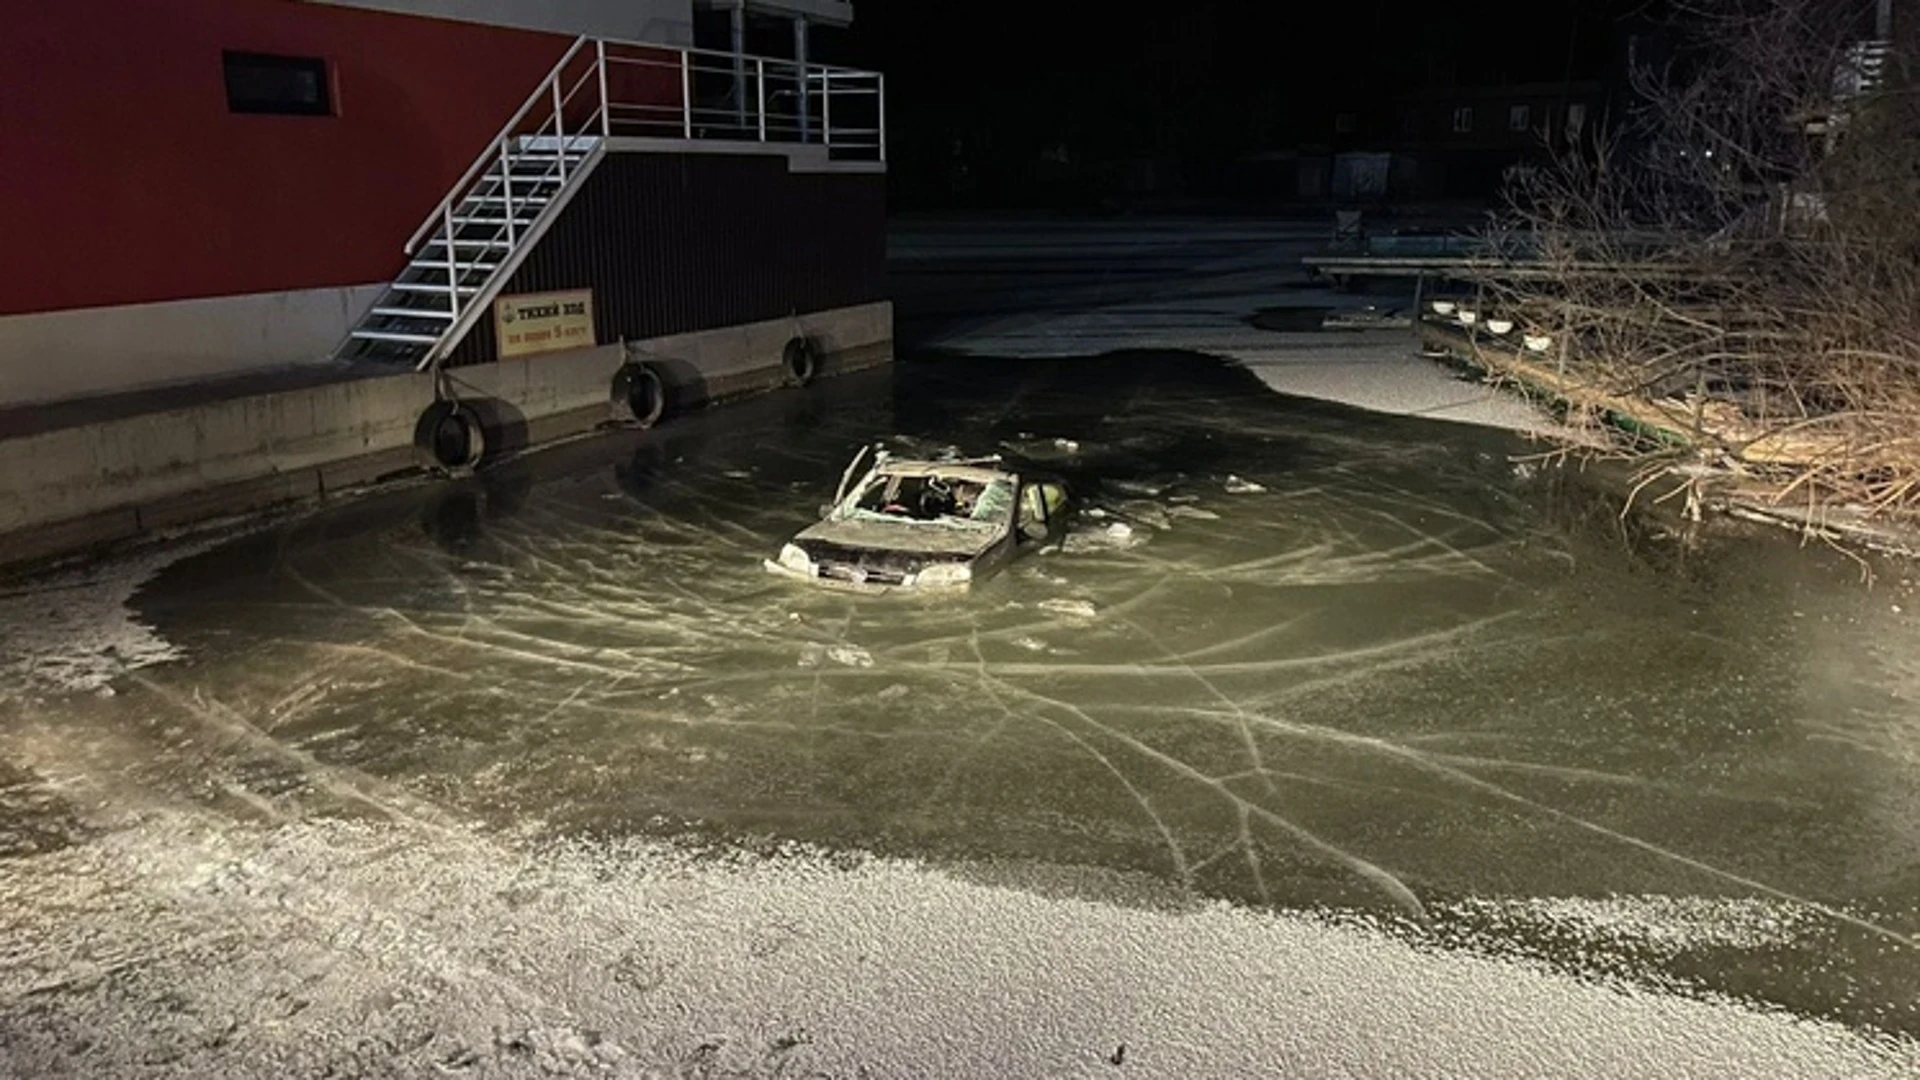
671, 243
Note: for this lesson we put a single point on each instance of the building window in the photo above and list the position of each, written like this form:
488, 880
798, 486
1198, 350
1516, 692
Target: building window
1463, 119
1345, 123
1576, 119
277, 85
1519, 118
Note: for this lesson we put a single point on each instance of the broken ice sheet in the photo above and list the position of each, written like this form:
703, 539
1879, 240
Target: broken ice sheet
1137, 487
1236, 486
1114, 536
1144, 512
813, 655
1078, 609
850, 655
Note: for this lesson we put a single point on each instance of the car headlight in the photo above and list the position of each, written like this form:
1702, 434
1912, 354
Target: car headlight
796, 560
944, 574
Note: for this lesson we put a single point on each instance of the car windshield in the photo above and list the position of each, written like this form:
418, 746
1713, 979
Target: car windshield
932, 499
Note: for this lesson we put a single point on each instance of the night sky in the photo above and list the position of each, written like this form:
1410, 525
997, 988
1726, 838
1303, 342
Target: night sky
1201, 81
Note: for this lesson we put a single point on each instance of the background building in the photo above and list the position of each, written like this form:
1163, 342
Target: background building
198, 188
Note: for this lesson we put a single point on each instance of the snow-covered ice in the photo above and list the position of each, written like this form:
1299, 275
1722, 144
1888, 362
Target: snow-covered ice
183, 948
1411, 763
74, 629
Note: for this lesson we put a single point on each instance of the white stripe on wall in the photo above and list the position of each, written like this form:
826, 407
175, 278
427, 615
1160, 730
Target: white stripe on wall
55, 355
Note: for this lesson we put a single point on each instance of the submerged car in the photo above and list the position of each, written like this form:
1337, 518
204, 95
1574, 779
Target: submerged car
924, 524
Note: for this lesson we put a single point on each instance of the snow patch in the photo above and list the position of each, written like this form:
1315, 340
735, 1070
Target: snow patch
1648, 925
76, 631
184, 947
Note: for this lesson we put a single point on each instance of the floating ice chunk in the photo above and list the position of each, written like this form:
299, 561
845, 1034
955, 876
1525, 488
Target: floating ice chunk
1195, 512
1078, 609
850, 655
738, 474
1237, 486
1142, 512
1068, 445
1115, 536
1032, 644
1138, 487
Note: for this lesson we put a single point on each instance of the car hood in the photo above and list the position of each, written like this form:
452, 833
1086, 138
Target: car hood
907, 538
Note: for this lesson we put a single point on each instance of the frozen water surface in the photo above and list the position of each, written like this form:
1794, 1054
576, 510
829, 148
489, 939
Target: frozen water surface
1328, 742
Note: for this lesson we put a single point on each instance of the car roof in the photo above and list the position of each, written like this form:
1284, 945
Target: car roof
979, 474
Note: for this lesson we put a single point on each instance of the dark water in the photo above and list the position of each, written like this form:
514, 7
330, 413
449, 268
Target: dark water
1291, 655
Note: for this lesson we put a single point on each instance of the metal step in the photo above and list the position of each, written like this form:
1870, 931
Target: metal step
543, 175
490, 219
535, 167
439, 266
395, 336
430, 287
518, 200
437, 242
413, 313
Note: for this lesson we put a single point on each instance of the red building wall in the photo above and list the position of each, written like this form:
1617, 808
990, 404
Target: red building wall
124, 179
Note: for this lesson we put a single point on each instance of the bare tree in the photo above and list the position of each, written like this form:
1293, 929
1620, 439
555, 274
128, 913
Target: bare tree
1736, 262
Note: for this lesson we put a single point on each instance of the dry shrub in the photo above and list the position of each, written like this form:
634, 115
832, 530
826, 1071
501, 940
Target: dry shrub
1741, 253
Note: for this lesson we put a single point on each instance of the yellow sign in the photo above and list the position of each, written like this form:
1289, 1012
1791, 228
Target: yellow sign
543, 322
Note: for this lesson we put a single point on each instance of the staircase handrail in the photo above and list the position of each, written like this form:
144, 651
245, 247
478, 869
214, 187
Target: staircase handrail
486, 155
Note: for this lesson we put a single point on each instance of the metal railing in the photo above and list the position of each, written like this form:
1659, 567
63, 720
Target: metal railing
654, 91
601, 90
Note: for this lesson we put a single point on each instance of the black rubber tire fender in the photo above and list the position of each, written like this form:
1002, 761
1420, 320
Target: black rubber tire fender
639, 395
450, 438
799, 361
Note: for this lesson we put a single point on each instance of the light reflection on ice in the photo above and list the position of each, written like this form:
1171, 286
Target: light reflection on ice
1388, 679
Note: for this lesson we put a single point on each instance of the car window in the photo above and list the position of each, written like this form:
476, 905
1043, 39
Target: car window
994, 503
1039, 505
1052, 496
945, 500
1033, 508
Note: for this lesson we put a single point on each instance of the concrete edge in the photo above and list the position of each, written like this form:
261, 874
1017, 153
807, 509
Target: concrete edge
102, 531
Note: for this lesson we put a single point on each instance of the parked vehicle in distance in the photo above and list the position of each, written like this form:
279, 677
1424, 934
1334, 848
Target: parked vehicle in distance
923, 525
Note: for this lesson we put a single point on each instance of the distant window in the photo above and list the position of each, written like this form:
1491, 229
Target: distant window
1576, 118
1463, 119
1519, 118
277, 85
1345, 123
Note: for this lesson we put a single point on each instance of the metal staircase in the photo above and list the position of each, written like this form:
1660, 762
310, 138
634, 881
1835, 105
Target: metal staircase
469, 246
458, 268
600, 91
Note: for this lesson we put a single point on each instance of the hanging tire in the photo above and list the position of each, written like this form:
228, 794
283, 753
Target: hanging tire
639, 395
799, 361
450, 438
